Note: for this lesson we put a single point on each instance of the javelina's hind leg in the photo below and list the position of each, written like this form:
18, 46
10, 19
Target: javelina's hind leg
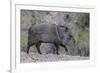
64, 47
38, 48
28, 47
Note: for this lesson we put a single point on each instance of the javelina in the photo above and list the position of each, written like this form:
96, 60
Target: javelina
56, 34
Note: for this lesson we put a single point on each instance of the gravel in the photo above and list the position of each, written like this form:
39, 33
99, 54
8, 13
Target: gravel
35, 57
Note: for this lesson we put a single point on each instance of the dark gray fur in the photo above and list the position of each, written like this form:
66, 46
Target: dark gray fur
56, 34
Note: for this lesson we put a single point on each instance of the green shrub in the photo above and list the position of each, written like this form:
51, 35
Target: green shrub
82, 37
23, 41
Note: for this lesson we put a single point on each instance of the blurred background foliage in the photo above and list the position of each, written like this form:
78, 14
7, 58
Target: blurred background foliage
78, 23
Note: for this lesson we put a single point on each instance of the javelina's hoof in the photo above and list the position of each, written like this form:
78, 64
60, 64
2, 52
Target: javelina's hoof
27, 52
40, 53
57, 53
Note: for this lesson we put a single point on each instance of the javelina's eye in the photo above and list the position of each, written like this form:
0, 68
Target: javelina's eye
66, 29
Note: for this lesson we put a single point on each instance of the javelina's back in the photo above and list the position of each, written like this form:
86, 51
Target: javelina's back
43, 33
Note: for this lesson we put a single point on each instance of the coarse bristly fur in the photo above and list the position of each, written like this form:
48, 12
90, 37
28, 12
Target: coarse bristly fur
41, 33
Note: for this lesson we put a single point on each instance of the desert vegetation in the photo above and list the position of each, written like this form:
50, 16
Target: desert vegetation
77, 22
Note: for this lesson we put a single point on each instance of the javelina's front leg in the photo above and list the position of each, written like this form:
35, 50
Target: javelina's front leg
57, 48
38, 48
64, 47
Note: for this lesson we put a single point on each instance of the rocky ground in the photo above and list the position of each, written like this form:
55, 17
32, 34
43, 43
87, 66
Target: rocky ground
35, 57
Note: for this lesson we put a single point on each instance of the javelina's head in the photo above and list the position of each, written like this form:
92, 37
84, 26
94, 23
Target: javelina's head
66, 35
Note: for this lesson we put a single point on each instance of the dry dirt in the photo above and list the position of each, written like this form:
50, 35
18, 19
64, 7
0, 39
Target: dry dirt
35, 57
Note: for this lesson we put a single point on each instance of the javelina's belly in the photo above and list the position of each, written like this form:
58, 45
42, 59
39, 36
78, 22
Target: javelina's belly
47, 38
